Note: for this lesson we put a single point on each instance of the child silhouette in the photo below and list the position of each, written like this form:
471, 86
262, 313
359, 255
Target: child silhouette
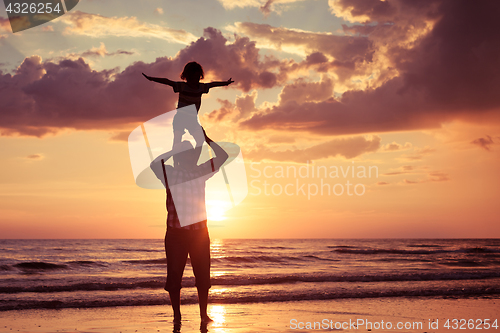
189, 93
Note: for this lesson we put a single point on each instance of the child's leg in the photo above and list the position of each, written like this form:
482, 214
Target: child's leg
178, 136
179, 126
196, 131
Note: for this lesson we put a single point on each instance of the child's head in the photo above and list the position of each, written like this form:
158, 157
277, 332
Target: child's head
192, 72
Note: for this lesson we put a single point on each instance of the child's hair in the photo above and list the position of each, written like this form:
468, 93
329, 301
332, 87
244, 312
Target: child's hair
192, 70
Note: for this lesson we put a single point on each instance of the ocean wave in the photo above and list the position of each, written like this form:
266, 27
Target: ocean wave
39, 266
162, 261
121, 249
351, 250
148, 300
275, 247
87, 263
158, 282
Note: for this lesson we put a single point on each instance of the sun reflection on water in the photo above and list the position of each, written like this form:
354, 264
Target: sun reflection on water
218, 314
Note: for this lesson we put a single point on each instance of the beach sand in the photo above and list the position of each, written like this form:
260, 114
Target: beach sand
264, 317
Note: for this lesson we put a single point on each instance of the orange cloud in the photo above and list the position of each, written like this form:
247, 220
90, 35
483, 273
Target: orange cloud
394, 146
346, 147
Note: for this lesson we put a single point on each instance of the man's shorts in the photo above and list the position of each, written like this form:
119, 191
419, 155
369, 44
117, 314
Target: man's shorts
178, 244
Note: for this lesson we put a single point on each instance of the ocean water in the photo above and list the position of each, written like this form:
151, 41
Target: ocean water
103, 273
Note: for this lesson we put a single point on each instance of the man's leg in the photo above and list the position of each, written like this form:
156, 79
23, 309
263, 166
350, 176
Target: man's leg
203, 299
199, 252
175, 300
177, 253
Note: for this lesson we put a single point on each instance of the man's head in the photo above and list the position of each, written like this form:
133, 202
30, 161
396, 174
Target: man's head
187, 157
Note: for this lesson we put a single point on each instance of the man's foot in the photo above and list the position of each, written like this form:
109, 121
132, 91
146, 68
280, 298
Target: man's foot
177, 319
206, 319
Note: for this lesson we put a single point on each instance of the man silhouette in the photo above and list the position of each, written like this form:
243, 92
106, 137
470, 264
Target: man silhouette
187, 231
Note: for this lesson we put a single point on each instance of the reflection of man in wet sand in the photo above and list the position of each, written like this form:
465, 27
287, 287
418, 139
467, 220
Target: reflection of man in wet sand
185, 184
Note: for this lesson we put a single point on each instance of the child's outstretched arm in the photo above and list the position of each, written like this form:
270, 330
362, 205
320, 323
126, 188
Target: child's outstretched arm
159, 80
220, 83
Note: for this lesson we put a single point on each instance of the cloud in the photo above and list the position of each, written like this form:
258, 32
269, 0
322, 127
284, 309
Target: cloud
413, 65
440, 72
419, 153
35, 157
345, 147
98, 26
241, 108
484, 143
302, 90
406, 169
432, 177
393, 11
280, 139
5, 24
394, 146
120, 136
48, 28
240, 60
42, 97
347, 50
158, 11
265, 6
101, 52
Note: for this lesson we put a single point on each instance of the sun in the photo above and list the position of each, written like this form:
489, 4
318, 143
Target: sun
216, 209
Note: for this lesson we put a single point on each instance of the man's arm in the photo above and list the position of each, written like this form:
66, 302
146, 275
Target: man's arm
164, 156
220, 83
156, 164
160, 80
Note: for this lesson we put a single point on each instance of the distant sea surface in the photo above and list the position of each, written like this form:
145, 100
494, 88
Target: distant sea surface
104, 273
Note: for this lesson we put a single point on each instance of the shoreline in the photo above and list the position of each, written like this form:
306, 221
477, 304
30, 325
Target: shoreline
426, 315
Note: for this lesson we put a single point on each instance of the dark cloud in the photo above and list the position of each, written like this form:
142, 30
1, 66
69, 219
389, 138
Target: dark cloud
43, 97
484, 143
345, 49
243, 106
450, 72
240, 61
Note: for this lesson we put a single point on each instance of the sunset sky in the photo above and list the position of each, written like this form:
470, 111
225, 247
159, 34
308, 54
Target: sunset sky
410, 89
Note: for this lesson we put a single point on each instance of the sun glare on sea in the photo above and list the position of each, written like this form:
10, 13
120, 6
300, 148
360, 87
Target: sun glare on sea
218, 314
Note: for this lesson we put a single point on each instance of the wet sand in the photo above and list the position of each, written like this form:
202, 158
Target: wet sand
419, 314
